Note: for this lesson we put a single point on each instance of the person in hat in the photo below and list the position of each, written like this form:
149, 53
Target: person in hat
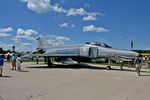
138, 63
8, 58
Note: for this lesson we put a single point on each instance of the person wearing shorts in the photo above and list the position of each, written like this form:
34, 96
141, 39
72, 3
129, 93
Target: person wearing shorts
13, 62
137, 63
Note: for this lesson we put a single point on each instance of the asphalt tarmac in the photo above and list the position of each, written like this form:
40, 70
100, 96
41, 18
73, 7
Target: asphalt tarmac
78, 82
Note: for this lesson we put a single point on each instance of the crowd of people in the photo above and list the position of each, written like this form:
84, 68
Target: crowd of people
14, 59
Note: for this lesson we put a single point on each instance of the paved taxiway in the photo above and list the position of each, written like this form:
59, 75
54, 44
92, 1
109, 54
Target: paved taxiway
37, 82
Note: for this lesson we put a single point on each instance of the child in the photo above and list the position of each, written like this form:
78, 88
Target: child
18, 62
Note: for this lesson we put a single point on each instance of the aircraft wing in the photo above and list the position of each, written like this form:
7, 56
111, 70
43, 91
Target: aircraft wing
69, 51
123, 59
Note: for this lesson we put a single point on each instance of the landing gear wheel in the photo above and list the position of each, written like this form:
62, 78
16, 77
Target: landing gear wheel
108, 67
50, 64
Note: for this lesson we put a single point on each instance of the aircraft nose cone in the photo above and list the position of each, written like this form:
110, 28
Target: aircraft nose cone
134, 53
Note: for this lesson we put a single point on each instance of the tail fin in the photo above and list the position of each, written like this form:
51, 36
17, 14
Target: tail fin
41, 44
131, 44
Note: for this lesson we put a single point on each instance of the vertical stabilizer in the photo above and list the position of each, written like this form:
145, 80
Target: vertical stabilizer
41, 44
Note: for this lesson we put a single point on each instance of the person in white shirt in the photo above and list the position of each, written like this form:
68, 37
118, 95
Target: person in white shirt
18, 62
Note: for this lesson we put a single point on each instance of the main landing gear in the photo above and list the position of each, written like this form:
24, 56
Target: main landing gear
50, 64
109, 63
108, 67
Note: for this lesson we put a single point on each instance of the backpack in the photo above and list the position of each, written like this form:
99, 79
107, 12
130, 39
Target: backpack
138, 61
1, 62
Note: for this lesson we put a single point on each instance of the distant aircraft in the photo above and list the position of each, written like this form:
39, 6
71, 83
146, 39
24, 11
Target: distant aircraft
75, 53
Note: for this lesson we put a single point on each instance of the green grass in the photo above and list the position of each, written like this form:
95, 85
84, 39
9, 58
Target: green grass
34, 60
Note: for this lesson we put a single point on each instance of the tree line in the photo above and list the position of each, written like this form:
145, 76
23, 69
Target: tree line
142, 51
5, 51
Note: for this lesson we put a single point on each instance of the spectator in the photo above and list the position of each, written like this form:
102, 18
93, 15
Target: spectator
18, 62
138, 63
37, 59
8, 58
121, 64
14, 62
1, 66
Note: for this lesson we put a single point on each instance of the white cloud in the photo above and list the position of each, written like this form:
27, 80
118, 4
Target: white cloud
6, 46
25, 37
75, 11
20, 31
95, 14
39, 6
58, 9
3, 30
26, 32
56, 40
21, 46
72, 25
92, 28
61, 38
147, 49
26, 44
89, 18
55, 37
66, 25
82, 12
30, 32
87, 5
24, 48
4, 34
15, 39
43, 6
92, 16
21, 34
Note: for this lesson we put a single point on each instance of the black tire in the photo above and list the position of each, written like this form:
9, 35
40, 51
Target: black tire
108, 67
50, 64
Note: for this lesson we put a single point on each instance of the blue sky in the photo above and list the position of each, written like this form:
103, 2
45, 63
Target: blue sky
114, 22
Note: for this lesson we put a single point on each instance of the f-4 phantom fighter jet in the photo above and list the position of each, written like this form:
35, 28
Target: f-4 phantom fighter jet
75, 53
